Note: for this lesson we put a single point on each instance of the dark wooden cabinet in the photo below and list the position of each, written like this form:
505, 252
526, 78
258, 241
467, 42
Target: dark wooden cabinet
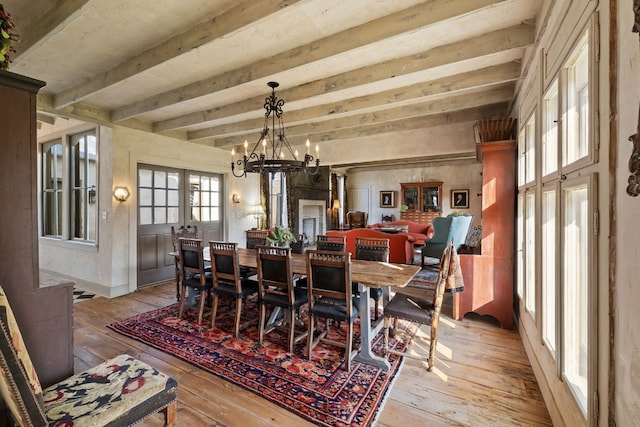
420, 201
44, 313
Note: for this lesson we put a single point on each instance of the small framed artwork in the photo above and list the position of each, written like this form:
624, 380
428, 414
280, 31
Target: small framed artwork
387, 199
460, 199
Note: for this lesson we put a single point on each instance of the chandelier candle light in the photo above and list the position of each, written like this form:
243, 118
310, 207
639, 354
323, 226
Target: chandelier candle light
272, 152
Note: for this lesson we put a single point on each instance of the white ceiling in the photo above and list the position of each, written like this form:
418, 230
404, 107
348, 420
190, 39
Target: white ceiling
198, 69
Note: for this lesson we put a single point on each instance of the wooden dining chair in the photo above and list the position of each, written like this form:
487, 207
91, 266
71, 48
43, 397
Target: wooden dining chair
192, 273
329, 289
276, 287
420, 309
331, 243
372, 249
188, 232
227, 281
256, 238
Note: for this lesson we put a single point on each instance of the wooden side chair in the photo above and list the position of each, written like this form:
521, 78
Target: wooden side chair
420, 309
119, 392
357, 219
331, 243
256, 238
372, 249
277, 288
297, 247
188, 232
329, 288
227, 281
193, 274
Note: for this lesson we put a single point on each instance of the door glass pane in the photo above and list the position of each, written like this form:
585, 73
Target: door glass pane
173, 180
549, 269
145, 178
146, 217
173, 198
159, 179
160, 215
550, 130
160, 197
521, 158
575, 263
530, 254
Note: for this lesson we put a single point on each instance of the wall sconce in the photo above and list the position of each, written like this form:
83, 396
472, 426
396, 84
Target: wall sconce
235, 198
121, 194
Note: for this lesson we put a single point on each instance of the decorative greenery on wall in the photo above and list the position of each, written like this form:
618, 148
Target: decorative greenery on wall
7, 38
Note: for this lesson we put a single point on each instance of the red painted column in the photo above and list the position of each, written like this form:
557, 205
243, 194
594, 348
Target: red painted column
489, 277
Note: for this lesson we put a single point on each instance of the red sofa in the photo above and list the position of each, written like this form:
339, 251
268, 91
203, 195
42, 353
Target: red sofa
417, 232
400, 248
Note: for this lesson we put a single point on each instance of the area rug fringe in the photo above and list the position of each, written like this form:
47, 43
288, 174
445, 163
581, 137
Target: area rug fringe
318, 390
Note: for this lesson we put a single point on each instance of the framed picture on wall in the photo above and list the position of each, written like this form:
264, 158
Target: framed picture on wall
387, 199
460, 199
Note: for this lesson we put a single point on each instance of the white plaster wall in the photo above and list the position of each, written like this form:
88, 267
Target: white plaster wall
627, 299
453, 177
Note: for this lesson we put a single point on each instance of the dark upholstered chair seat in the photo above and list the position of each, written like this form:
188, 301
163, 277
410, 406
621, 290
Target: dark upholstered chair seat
229, 290
328, 308
410, 308
301, 298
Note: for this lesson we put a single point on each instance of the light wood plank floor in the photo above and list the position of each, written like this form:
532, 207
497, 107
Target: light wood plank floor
481, 378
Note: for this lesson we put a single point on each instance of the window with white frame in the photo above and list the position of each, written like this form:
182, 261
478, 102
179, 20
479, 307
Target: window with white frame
84, 182
563, 277
530, 253
548, 281
577, 141
52, 186
69, 184
550, 130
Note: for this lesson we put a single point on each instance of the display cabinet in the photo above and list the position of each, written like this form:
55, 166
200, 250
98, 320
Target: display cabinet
421, 201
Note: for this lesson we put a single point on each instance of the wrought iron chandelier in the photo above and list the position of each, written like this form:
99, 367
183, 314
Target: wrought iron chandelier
272, 152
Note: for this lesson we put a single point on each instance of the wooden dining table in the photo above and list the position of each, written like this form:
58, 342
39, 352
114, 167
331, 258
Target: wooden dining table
368, 274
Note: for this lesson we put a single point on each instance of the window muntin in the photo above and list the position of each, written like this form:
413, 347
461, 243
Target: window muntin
550, 130
84, 179
52, 188
576, 230
549, 255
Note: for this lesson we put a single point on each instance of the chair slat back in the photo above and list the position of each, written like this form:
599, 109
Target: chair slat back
188, 232
256, 238
275, 274
297, 247
331, 243
329, 274
372, 249
191, 258
224, 263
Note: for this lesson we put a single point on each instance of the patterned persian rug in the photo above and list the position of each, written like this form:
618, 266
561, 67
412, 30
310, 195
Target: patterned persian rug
319, 390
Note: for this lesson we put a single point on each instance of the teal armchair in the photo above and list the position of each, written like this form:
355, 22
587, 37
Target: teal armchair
446, 229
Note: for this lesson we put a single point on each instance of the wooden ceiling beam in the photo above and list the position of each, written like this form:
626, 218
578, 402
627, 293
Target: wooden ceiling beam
242, 15
47, 25
495, 103
416, 96
497, 42
411, 19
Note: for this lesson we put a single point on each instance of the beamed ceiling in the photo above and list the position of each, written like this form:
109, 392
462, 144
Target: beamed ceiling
197, 70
